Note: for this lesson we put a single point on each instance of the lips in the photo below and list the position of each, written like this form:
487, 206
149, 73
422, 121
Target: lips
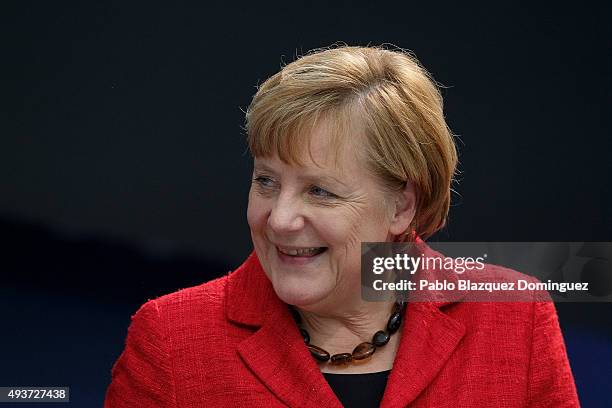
302, 252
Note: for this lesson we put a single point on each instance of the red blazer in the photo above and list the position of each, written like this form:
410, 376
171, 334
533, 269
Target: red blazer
232, 342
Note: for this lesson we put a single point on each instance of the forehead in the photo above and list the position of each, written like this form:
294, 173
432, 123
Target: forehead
331, 149
327, 151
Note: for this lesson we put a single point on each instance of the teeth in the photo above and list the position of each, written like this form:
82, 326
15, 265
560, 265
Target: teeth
299, 252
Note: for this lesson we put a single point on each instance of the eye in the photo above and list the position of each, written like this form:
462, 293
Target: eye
320, 192
264, 181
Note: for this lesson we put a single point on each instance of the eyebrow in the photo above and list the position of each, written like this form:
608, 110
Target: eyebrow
314, 179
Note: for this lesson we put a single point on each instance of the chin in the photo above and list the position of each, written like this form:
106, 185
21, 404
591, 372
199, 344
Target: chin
298, 293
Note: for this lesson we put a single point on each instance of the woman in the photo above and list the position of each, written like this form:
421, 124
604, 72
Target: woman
349, 145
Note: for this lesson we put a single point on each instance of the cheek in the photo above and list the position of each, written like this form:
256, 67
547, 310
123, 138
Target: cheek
341, 230
256, 213
349, 229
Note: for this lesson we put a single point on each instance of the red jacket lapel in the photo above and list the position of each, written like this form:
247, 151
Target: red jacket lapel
429, 337
275, 352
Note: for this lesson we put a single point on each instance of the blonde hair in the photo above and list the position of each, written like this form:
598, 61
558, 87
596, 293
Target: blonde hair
399, 108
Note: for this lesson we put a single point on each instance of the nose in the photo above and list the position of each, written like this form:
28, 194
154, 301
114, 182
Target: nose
286, 215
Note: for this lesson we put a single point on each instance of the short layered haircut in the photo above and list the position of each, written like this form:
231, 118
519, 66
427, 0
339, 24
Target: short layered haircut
388, 96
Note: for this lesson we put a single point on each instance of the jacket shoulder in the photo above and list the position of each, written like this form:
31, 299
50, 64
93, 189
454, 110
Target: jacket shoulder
498, 273
211, 293
201, 304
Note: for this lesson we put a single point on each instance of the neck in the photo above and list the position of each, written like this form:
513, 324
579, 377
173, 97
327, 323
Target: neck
340, 330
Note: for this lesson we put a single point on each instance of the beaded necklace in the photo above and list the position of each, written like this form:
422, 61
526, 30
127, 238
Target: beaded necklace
363, 350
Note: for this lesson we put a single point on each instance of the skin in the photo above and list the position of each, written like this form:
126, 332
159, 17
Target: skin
335, 204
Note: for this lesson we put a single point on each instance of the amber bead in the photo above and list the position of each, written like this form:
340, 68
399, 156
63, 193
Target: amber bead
342, 358
394, 322
318, 353
380, 338
363, 351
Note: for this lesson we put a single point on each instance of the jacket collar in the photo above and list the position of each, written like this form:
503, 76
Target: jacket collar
276, 354
276, 351
250, 294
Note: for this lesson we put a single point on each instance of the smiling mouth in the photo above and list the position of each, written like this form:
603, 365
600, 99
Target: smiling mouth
301, 252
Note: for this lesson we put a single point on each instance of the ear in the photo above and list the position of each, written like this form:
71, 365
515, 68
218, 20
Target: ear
404, 209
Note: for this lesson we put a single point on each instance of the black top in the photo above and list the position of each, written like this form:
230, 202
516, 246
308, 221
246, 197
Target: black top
358, 390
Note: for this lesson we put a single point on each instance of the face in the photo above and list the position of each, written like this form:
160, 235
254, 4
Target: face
307, 223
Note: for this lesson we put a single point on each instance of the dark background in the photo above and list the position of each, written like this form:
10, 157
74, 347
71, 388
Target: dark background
124, 172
